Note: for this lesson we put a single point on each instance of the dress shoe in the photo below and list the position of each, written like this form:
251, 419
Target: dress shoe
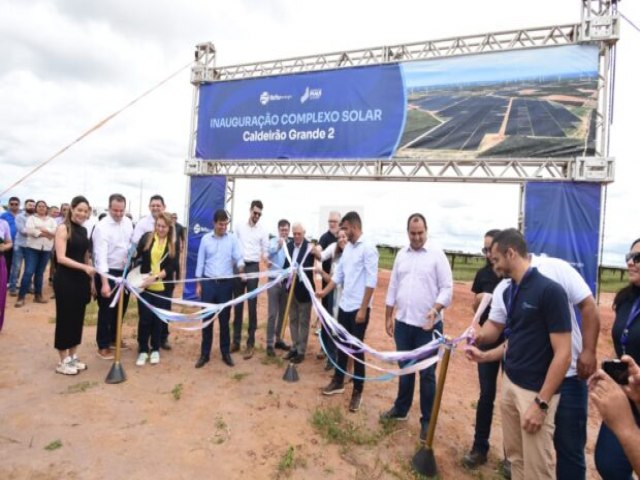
298, 359
235, 348
165, 345
40, 299
248, 353
105, 354
280, 345
201, 362
271, 352
290, 354
20, 302
226, 358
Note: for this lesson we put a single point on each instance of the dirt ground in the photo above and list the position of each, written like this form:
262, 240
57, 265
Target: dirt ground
171, 421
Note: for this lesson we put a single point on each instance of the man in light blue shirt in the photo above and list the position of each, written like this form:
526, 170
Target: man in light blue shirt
19, 244
219, 252
357, 272
277, 295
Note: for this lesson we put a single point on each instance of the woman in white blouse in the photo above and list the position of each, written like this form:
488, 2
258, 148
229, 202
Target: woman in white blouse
40, 230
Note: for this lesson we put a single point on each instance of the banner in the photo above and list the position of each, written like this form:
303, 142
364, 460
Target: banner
562, 220
526, 103
205, 197
354, 112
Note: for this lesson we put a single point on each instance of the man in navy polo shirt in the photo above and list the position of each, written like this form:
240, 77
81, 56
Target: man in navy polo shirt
537, 357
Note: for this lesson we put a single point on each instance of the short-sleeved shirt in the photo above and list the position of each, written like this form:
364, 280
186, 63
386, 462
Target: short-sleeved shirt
537, 307
357, 270
574, 286
485, 281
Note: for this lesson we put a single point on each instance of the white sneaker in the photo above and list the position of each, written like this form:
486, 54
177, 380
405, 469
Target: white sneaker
77, 363
154, 359
142, 359
66, 368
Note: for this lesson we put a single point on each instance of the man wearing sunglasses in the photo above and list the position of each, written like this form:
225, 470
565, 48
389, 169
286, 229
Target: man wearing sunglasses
254, 243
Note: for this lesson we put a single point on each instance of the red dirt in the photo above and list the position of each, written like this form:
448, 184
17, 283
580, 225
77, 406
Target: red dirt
229, 423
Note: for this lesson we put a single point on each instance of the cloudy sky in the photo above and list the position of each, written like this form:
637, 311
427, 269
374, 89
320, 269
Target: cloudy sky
66, 65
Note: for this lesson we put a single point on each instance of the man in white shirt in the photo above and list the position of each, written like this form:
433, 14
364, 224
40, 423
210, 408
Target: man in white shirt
357, 272
420, 288
111, 240
254, 242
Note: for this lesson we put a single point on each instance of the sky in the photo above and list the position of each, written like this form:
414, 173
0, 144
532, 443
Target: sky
66, 65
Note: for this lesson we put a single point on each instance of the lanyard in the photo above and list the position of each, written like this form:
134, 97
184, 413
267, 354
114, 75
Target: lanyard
512, 294
633, 314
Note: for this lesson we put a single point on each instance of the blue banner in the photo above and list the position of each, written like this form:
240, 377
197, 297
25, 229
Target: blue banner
562, 220
206, 196
348, 113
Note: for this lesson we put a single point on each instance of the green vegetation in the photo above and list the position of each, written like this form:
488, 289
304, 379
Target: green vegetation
81, 387
331, 424
418, 122
177, 392
239, 376
56, 444
466, 265
290, 461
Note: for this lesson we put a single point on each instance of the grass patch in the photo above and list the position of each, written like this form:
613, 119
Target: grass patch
239, 376
56, 444
177, 391
290, 461
222, 432
277, 361
331, 424
81, 387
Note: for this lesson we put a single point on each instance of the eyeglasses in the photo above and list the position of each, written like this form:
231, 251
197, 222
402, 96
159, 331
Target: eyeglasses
633, 256
257, 214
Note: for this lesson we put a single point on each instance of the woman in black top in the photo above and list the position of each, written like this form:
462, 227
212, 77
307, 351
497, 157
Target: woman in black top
72, 284
611, 461
157, 252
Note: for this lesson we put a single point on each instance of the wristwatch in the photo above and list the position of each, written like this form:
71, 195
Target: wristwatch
544, 406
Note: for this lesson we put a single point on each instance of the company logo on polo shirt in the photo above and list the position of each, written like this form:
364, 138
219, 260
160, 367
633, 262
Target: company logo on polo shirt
197, 229
528, 306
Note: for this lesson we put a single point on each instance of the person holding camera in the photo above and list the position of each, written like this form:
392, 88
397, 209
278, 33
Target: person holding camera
610, 457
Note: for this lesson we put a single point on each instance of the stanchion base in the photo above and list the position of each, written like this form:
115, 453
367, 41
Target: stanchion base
291, 374
116, 374
424, 462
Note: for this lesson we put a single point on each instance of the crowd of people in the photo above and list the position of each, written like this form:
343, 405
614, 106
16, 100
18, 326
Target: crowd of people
536, 318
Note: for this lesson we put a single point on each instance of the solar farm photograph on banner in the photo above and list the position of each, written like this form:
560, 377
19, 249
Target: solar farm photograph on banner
527, 103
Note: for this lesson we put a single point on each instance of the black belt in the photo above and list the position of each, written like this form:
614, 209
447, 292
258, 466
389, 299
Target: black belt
250, 263
218, 280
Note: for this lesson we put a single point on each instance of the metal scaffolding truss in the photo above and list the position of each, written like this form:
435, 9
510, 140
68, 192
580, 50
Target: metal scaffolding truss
484, 170
448, 47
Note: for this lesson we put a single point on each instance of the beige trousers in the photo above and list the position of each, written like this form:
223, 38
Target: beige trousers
532, 455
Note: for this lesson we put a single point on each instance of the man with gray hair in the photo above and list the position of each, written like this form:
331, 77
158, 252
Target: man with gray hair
300, 309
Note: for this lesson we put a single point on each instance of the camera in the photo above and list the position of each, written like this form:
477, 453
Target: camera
617, 370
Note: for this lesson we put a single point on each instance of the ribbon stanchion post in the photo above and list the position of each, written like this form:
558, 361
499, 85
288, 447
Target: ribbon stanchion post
290, 374
424, 461
116, 374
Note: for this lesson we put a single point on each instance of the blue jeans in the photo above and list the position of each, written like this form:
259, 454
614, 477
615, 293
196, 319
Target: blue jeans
35, 264
408, 337
348, 321
611, 462
217, 291
487, 376
570, 436
16, 266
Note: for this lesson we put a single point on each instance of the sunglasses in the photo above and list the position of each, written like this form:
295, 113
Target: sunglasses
633, 256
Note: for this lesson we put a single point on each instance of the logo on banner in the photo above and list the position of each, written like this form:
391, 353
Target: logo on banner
198, 229
311, 94
266, 97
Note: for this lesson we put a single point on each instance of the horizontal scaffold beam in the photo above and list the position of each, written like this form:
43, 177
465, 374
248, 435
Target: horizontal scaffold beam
478, 170
204, 72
